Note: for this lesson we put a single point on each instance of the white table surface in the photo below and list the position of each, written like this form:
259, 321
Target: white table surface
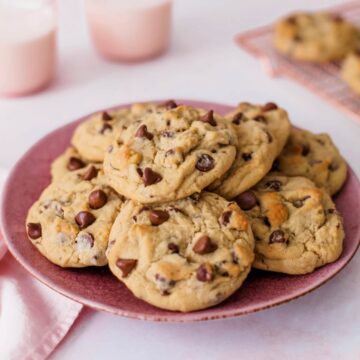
203, 63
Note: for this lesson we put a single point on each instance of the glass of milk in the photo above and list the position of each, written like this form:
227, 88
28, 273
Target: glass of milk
129, 30
27, 45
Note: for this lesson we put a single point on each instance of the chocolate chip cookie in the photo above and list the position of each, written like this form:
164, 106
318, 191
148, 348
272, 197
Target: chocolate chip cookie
70, 223
68, 162
170, 154
262, 133
184, 255
93, 137
350, 71
295, 224
314, 156
316, 37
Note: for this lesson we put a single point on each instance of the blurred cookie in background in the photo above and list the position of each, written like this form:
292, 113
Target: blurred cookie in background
314, 156
316, 37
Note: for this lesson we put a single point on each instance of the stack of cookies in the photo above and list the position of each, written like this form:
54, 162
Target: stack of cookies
181, 202
321, 38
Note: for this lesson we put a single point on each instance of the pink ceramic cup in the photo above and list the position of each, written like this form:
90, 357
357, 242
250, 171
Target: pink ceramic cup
129, 30
27, 45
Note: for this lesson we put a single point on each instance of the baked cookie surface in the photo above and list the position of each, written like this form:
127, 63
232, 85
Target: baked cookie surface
314, 156
93, 136
296, 225
316, 37
71, 221
184, 255
171, 154
262, 132
66, 163
350, 71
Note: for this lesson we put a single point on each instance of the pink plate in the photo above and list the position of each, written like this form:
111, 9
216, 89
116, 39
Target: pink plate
97, 288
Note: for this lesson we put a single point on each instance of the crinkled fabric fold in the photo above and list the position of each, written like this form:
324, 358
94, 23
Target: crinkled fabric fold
33, 318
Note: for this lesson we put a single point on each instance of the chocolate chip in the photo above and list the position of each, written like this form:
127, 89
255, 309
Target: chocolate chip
305, 149
266, 221
90, 173
139, 171
170, 104
105, 127
237, 118
173, 248
247, 200
291, 20
300, 202
297, 38
126, 266
84, 219
205, 273
260, 118
142, 131
333, 166
277, 236
204, 246
209, 118
97, 199
157, 217
75, 163
205, 163
34, 230
273, 185
151, 177
269, 106
106, 116
246, 156
225, 217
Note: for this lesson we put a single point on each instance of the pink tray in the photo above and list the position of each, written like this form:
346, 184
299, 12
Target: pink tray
96, 287
323, 80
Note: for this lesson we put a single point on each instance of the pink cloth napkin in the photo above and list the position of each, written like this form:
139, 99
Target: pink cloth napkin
33, 318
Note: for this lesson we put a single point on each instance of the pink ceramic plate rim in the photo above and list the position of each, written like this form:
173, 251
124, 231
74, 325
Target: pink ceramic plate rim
185, 317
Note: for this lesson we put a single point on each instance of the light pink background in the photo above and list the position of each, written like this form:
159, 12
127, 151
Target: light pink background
203, 63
